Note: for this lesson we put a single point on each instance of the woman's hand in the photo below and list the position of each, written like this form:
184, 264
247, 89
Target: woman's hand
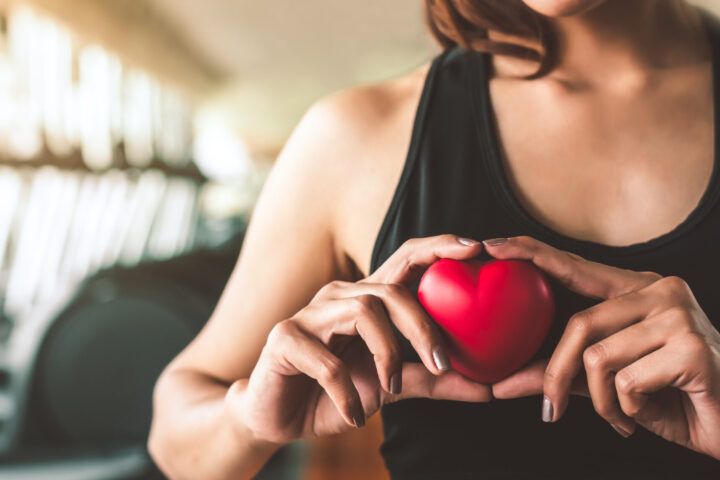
648, 351
337, 361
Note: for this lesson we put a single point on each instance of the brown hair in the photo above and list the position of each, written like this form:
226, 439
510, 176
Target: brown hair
466, 23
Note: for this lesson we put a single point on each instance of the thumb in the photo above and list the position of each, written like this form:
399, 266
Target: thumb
419, 382
529, 381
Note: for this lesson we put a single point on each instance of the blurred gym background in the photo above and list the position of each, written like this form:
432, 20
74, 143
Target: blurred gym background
134, 139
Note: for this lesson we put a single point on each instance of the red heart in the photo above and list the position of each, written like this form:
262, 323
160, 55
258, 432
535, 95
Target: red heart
496, 314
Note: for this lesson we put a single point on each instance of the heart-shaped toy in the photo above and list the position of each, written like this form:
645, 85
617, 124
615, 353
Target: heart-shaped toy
495, 314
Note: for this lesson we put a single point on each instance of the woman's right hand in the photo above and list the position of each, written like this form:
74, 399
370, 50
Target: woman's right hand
338, 360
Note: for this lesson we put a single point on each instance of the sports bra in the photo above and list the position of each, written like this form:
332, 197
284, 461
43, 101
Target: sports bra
453, 181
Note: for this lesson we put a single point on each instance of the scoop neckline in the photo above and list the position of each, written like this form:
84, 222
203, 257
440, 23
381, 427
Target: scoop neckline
490, 143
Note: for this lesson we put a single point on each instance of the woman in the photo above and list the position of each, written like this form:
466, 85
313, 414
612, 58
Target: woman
582, 135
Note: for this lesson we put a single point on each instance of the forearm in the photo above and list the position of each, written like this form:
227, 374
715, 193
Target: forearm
193, 434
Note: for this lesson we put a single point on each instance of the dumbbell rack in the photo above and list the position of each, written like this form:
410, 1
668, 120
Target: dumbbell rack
59, 226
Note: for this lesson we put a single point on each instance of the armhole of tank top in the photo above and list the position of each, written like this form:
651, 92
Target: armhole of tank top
410, 160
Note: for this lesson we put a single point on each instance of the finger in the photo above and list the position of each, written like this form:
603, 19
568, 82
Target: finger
603, 359
294, 351
410, 260
583, 329
418, 382
360, 315
587, 278
529, 381
685, 362
410, 319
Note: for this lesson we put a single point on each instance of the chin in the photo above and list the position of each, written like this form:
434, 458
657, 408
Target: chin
562, 8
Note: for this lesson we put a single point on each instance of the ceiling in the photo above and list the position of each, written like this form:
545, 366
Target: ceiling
246, 37
281, 55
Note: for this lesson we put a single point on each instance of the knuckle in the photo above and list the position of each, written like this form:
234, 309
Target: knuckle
650, 277
331, 371
625, 381
411, 244
447, 238
674, 288
280, 332
580, 324
331, 287
551, 379
632, 410
409, 261
595, 357
363, 305
680, 318
284, 328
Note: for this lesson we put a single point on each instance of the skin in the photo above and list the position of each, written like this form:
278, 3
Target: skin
590, 150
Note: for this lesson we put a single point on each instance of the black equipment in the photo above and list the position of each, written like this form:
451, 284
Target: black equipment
76, 379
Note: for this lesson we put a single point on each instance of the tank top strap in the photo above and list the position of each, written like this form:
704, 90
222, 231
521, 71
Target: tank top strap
443, 185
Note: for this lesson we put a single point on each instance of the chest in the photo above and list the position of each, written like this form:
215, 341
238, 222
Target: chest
615, 168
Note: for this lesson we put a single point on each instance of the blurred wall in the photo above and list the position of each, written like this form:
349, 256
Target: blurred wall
283, 57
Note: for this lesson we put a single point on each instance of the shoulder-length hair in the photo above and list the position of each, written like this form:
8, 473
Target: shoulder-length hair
467, 22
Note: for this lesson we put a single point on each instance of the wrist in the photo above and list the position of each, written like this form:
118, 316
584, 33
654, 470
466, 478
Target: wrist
233, 404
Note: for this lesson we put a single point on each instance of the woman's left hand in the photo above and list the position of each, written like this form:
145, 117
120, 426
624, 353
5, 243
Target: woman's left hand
648, 352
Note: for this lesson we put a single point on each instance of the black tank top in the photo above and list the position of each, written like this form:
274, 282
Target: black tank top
453, 181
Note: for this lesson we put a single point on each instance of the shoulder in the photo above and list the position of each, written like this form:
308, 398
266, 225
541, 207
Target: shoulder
342, 161
352, 133
344, 121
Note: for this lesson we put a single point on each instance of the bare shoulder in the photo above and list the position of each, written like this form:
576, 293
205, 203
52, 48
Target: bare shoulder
346, 135
362, 136
374, 102
357, 118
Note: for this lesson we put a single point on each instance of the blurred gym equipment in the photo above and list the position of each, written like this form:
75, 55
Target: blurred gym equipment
78, 380
76, 386
110, 259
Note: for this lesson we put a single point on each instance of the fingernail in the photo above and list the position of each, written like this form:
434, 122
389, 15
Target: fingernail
547, 409
395, 384
359, 421
441, 359
468, 242
493, 242
621, 431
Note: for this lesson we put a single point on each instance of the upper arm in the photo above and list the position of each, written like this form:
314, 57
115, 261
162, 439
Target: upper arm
289, 250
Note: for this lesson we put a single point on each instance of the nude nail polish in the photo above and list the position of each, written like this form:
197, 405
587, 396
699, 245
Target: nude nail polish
468, 242
620, 430
395, 384
494, 242
547, 409
441, 359
359, 421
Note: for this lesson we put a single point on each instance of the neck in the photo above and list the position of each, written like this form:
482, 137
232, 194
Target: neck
621, 38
